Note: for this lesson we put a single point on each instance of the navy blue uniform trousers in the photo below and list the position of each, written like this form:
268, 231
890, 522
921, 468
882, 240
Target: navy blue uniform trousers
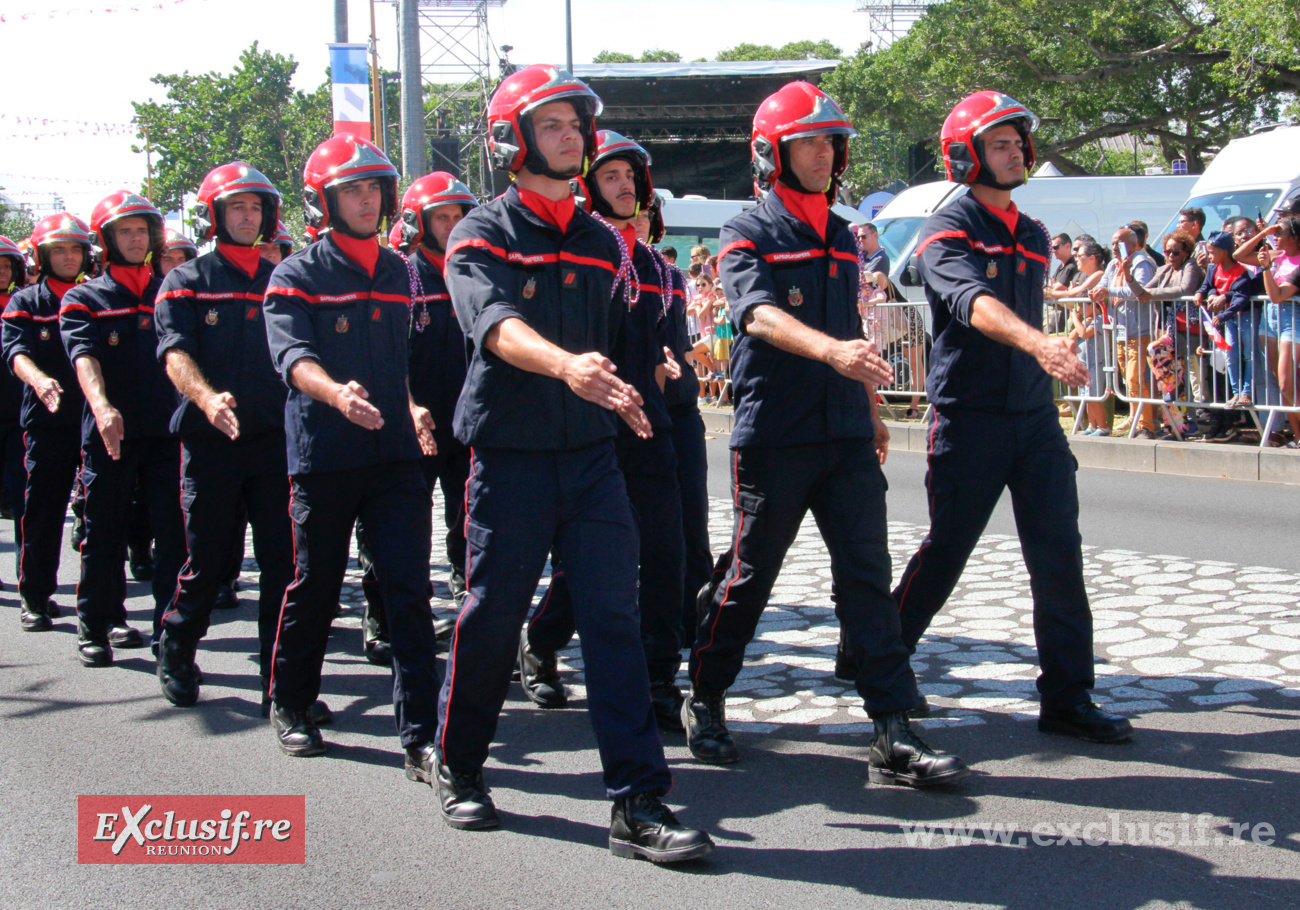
649, 469
693, 479
155, 462
974, 456
522, 505
773, 489
11, 449
222, 480
392, 500
52, 460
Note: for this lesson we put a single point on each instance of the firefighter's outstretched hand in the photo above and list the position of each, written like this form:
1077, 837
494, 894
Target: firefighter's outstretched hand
1060, 360
351, 402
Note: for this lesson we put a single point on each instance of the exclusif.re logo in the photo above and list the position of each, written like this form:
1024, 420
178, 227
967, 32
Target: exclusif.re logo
191, 829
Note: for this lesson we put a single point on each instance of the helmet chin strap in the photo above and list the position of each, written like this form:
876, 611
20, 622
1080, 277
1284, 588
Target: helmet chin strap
987, 180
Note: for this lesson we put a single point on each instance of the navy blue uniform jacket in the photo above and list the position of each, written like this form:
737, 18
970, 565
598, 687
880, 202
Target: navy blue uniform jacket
965, 252
505, 262
768, 256
104, 320
684, 391
31, 327
323, 306
212, 310
438, 360
641, 348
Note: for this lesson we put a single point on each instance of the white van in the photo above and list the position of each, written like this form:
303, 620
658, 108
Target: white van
692, 220
1069, 205
1250, 177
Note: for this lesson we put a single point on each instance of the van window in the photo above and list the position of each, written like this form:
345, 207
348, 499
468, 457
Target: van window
898, 235
1219, 207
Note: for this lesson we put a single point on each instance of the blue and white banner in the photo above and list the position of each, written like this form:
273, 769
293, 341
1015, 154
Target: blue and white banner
350, 78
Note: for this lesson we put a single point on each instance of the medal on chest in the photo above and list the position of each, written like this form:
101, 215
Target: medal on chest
341, 325
423, 319
796, 297
211, 318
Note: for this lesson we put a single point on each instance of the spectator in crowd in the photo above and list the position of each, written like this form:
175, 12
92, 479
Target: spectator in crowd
877, 258
722, 335
669, 253
1192, 220
1264, 356
1132, 321
1086, 328
1225, 293
1143, 232
701, 307
1179, 277
1059, 284
1280, 277
699, 253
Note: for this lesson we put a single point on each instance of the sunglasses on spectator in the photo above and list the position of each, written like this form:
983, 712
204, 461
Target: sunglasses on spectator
1057, 246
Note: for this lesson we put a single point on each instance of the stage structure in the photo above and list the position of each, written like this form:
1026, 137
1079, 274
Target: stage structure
889, 20
695, 119
459, 67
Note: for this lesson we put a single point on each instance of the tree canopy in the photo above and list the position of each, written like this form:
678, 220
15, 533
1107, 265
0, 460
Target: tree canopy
252, 113
794, 50
1192, 74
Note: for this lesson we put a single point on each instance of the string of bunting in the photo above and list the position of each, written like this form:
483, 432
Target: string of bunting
69, 127
62, 181
83, 11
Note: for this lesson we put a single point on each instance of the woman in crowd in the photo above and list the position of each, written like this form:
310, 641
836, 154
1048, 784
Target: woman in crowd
701, 307
1280, 270
1086, 325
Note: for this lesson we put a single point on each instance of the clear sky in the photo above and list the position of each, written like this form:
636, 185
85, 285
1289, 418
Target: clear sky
85, 64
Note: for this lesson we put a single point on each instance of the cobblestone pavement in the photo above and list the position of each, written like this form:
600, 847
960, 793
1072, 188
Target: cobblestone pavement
1169, 633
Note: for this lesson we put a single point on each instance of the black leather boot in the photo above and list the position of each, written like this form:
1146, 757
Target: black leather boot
226, 599
846, 668
296, 732
140, 558
443, 626
704, 717
667, 701
464, 800
642, 825
421, 764
177, 674
374, 635
93, 648
540, 676
456, 582
1086, 722
120, 635
35, 618
899, 756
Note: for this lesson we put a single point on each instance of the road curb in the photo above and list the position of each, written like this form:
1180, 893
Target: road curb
1143, 456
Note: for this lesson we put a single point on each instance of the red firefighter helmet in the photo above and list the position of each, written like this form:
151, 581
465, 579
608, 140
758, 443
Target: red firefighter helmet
426, 194
342, 159
283, 239
17, 264
228, 180
793, 111
612, 146
509, 116
63, 227
113, 208
964, 125
395, 241
175, 240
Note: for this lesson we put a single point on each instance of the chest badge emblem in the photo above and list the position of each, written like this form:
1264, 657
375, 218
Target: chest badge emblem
530, 288
423, 319
211, 318
796, 297
144, 322
113, 339
45, 334
991, 270
341, 325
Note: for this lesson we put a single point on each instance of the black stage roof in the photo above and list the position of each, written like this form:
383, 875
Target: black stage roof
694, 118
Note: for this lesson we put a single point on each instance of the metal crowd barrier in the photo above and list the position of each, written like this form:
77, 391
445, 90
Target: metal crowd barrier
1183, 370
898, 329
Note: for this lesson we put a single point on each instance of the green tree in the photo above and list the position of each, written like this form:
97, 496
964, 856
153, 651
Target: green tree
794, 50
252, 113
1192, 74
16, 222
652, 55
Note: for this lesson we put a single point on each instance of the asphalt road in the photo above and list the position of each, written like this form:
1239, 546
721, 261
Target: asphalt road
1195, 642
